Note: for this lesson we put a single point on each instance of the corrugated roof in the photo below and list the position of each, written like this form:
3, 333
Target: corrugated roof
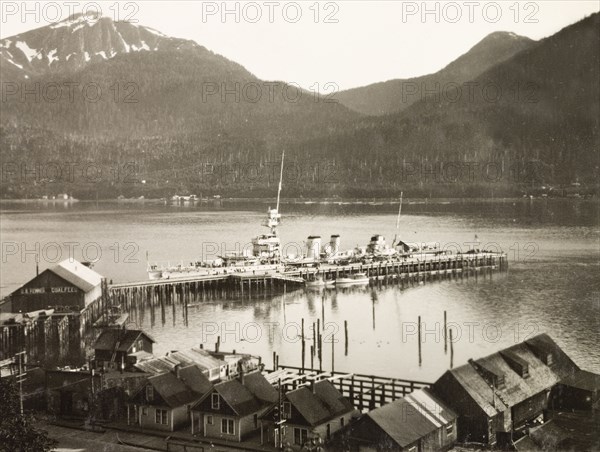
431, 407
77, 274
402, 422
154, 366
325, 403
166, 363
408, 419
197, 356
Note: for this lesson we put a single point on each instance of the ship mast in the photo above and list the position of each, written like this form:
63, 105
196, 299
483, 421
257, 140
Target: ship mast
280, 181
274, 215
398, 219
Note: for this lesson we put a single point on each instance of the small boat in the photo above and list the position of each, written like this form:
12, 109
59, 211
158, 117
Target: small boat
358, 278
319, 282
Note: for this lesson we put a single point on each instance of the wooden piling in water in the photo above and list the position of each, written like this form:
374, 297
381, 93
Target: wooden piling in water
451, 350
419, 338
332, 354
445, 332
346, 337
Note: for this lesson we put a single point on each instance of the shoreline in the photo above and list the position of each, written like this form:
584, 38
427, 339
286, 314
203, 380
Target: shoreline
300, 201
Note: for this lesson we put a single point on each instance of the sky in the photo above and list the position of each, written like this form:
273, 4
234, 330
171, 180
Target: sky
323, 45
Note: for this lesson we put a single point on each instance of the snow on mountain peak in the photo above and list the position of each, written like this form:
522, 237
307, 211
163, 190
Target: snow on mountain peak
81, 39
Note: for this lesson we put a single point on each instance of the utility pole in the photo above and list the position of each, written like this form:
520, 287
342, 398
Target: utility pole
20, 378
280, 417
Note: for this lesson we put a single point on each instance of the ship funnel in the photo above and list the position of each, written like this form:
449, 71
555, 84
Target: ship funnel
334, 245
313, 247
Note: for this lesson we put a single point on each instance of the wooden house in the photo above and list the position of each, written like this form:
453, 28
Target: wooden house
232, 409
417, 422
164, 402
121, 348
311, 412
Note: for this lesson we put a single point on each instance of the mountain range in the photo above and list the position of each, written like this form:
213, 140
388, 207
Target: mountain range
172, 106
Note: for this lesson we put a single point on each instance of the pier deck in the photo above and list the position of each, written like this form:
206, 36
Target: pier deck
366, 392
252, 285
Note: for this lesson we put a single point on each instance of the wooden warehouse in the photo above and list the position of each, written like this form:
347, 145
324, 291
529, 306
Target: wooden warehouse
68, 286
497, 395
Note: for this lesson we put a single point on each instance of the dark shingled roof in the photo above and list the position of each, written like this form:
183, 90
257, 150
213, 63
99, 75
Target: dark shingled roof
193, 377
542, 345
516, 388
258, 385
408, 419
254, 395
191, 386
324, 404
121, 340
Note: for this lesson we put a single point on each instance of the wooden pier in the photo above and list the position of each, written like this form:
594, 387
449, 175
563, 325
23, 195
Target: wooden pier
253, 285
366, 392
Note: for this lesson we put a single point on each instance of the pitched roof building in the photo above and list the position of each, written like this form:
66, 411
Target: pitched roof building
419, 421
213, 368
310, 412
121, 348
501, 392
232, 409
163, 403
69, 284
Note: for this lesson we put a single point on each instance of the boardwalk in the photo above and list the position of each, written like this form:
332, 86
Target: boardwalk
366, 392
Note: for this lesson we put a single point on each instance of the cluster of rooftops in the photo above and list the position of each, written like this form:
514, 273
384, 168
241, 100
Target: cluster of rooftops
496, 384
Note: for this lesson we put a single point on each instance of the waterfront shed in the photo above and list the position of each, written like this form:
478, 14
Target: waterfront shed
70, 285
503, 392
419, 421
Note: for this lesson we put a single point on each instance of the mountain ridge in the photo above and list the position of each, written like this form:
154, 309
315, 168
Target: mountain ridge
393, 96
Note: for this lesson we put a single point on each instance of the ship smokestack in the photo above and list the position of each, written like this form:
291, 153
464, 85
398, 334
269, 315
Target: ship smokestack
334, 244
313, 247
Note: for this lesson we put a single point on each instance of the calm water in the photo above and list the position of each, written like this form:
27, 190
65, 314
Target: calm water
551, 286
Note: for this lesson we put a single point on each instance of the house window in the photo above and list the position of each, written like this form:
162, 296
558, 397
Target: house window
328, 431
300, 436
342, 422
144, 411
216, 401
149, 393
413, 449
227, 426
549, 359
161, 417
256, 421
449, 429
209, 420
287, 410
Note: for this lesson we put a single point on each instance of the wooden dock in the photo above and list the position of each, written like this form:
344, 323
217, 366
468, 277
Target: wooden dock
366, 392
249, 286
